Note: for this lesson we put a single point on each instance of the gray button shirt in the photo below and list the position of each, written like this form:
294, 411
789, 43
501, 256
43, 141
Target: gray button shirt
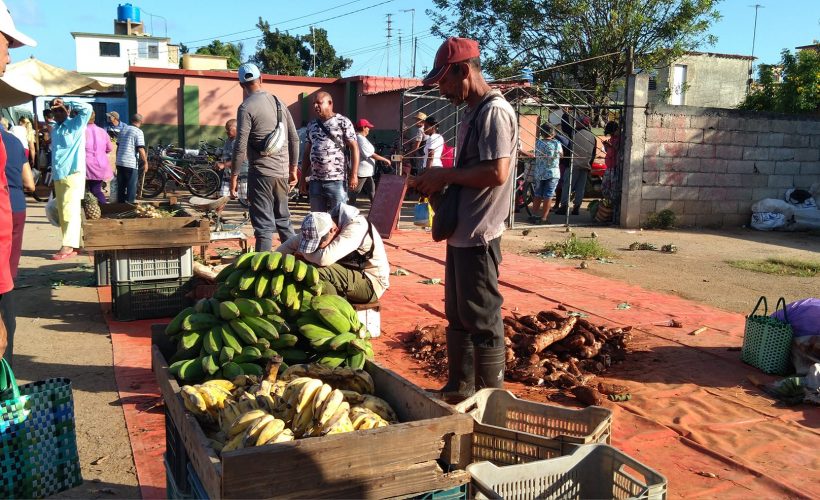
255, 120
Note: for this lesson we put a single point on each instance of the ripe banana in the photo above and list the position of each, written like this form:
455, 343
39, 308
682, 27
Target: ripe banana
244, 421
306, 394
235, 443
221, 382
193, 400
320, 397
253, 431
328, 408
272, 429
380, 407
284, 436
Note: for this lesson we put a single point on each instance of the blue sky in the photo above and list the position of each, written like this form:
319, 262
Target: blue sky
359, 35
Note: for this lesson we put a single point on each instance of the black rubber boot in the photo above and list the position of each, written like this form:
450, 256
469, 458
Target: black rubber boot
489, 367
460, 369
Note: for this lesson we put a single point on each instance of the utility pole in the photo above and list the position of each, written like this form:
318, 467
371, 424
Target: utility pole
400, 49
757, 7
413, 36
389, 36
313, 33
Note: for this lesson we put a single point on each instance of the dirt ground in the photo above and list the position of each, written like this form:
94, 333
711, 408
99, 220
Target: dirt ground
699, 270
61, 331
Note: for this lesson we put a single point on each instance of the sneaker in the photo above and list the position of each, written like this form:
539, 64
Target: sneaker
543, 222
560, 211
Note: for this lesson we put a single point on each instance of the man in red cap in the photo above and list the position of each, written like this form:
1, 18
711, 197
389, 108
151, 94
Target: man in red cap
10, 38
367, 162
487, 147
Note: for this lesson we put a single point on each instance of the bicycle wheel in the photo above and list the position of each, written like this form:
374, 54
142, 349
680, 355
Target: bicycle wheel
242, 190
203, 182
154, 183
523, 196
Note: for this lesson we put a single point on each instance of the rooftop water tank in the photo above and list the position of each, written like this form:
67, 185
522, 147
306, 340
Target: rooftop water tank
128, 11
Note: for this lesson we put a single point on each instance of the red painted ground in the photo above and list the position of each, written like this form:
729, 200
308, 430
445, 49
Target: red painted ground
692, 408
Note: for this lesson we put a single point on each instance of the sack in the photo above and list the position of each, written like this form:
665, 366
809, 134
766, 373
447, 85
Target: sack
37, 437
445, 218
448, 156
423, 214
52, 212
768, 221
276, 139
767, 341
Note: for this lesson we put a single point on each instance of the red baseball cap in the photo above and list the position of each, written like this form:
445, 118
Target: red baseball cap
362, 123
453, 50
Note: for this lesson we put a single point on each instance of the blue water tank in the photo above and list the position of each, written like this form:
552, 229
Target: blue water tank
128, 11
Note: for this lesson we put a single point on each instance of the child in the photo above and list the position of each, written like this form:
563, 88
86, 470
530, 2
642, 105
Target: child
548, 152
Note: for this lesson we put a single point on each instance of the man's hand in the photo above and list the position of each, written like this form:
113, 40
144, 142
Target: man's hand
3, 337
293, 177
354, 182
234, 183
431, 181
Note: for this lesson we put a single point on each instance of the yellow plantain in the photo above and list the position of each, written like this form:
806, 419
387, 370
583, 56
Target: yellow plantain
244, 421
272, 429
252, 432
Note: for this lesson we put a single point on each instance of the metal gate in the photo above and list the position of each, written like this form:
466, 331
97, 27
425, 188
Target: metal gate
536, 106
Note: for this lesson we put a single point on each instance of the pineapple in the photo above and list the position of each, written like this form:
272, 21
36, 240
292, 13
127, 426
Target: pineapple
91, 206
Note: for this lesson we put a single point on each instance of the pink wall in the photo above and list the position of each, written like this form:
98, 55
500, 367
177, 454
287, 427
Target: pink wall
381, 109
158, 99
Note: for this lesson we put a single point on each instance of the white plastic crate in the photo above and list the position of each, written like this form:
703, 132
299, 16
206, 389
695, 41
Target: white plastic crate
370, 315
510, 430
591, 471
151, 264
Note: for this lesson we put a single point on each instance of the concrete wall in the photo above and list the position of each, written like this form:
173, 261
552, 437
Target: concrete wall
713, 80
709, 165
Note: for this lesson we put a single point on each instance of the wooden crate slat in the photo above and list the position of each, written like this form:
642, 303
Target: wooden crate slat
121, 234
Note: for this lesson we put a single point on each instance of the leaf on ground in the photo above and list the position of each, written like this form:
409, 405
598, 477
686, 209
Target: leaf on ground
623, 305
708, 474
578, 314
431, 281
400, 272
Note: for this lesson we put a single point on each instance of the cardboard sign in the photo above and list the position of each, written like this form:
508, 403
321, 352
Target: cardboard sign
384, 212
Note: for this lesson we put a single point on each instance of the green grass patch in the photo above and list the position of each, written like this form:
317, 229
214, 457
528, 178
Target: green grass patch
780, 267
574, 248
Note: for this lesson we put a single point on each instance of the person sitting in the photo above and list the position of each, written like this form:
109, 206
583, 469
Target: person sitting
348, 251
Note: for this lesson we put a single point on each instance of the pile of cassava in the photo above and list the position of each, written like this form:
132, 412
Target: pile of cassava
552, 348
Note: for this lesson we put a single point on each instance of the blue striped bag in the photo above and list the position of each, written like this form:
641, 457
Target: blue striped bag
38, 444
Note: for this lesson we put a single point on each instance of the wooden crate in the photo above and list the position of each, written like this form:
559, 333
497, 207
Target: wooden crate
124, 234
398, 460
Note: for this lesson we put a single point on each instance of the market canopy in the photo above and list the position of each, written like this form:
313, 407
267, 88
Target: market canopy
31, 78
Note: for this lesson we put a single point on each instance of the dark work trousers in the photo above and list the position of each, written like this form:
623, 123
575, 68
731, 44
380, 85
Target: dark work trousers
127, 179
366, 185
9, 321
268, 200
351, 284
472, 302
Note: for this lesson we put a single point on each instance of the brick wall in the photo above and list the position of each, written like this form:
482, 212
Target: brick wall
709, 165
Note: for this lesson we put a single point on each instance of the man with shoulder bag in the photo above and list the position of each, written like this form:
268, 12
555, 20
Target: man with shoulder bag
471, 215
324, 158
267, 138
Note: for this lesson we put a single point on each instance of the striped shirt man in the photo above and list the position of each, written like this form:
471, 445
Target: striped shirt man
129, 140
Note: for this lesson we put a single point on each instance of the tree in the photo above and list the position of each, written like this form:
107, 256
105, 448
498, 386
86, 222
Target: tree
230, 50
281, 53
543, 33
799, 89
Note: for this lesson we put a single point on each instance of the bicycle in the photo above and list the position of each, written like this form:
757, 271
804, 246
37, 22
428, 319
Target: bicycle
524, 190
200, 180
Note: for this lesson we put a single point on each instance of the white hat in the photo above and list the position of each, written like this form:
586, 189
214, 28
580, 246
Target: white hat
7, 28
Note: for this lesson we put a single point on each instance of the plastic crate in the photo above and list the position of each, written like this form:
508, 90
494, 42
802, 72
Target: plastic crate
457, 493
510, 430
195, 485
102, 268
176, 459
591, 471
149, 299
147, 264
172, 489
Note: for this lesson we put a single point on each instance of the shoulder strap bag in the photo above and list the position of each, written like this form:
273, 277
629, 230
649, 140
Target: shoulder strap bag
276, 139
445, 204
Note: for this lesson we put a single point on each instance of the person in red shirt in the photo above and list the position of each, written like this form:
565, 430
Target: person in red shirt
10, 38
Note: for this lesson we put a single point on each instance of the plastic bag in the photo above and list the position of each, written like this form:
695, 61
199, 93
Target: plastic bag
52, 212
804, 316
768, 221
774, 206
423, 214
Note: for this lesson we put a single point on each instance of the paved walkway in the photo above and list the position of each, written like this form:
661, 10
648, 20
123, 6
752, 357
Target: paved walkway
693, 415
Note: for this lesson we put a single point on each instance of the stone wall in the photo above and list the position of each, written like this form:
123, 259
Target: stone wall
712, 80
709, 165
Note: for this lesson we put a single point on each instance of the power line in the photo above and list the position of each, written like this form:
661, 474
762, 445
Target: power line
276, 24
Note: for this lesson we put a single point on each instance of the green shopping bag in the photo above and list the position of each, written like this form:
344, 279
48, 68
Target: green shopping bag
767, 341
38, 444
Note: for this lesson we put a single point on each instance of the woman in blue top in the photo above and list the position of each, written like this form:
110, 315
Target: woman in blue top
548, 152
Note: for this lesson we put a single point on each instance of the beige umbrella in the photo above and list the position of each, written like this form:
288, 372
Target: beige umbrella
31, 78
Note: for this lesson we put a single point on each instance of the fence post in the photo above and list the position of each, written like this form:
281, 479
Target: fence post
637, 87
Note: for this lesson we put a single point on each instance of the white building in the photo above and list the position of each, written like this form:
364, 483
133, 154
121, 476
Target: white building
107, 57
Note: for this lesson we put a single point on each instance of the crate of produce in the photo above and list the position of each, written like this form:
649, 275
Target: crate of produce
195, 488
102, 268
147, 264
590, 471
403, 459
149, 299
114, 233
510, 430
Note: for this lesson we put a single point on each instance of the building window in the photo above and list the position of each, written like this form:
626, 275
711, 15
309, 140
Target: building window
148, 50
109, 49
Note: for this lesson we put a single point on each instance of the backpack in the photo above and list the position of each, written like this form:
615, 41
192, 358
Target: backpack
448, 156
